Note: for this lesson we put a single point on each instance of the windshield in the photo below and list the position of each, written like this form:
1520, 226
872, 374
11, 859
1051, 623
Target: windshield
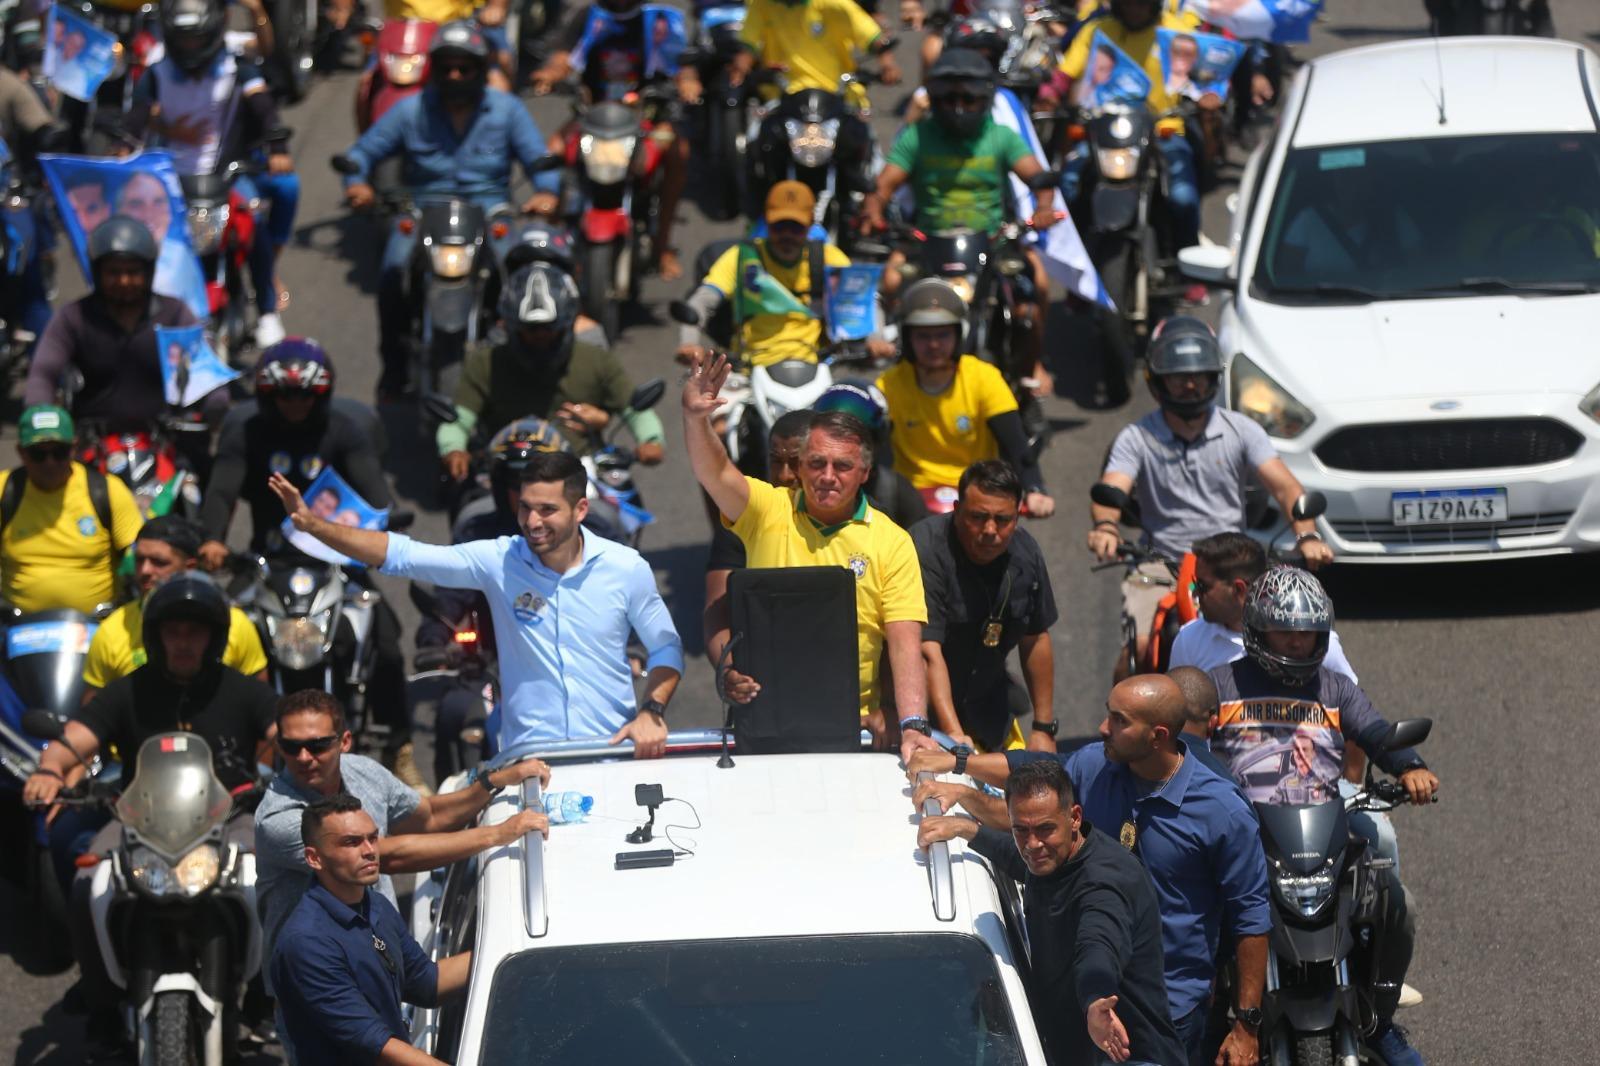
927, 998
1435, 217
175, 799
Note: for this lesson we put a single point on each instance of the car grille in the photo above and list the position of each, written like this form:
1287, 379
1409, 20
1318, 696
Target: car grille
1476, 534
1449, 445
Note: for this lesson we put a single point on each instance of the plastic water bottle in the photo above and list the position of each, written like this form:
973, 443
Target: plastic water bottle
567, 807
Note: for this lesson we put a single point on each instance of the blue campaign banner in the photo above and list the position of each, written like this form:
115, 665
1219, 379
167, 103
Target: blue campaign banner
852, 301
190, 370
40, 638
665, 38
722, 15
145, 186
1112, 76
1281, 21
1197, 64
329, 496
78, 55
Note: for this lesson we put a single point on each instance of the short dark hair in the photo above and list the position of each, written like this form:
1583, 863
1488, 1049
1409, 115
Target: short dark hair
842, 426
545, 467
1038, 777
791, 425
994, 476
175, 531
1200, 699
315, 814
1232, 556
311, 701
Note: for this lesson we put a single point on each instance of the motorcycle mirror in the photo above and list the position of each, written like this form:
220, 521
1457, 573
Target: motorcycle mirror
44, 725
1045, 179
1108, 495
345, 165
682, 312
1310, 505
400, 521
648, 395
439, 407
1407, 733
424, 599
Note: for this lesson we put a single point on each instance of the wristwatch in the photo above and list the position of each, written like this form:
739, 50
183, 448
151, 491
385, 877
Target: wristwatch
1250, 1017
917, 722
1048, 728
961, 752
655, 706
480, 776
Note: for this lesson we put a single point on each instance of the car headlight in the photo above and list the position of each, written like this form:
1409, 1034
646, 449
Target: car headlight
1252, 392
205, 227
1306, 893
965, 288
150, 872
297, 643
1590, 404
606, 159
1117, 164
403, 69
197, 871
811, 143
451, 260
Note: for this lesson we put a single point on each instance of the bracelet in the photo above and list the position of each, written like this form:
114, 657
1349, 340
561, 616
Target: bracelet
1309, 534
53, 773
1103, 522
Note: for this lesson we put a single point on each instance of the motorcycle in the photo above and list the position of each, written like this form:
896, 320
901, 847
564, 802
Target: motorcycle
19, 236
1506, 18
464, 732
149, 462
1327, 909
723, 121
173, 906
397, 72
137, 26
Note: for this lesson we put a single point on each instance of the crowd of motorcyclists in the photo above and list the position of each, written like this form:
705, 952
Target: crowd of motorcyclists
919, 402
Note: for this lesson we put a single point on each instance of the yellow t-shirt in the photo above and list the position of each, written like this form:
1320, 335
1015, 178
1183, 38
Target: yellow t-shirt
117, 649
937, 436
54, 554
818, 41
888, 577
440, 11
767, 337
1141, 47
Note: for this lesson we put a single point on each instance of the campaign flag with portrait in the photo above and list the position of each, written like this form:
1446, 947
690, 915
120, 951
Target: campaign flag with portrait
851, 301
330, 496
1280, 21
604, 34
88, 191
78, 55
1197, 64
1112, 76
190, 370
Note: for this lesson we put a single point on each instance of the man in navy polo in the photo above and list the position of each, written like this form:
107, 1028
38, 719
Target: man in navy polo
344, 961
1197, 837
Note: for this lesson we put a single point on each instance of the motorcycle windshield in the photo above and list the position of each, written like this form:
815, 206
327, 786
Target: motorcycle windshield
45, 653
204, 189
812, 105
956, 252
610, 120
175, 799
1302, 838
452, 221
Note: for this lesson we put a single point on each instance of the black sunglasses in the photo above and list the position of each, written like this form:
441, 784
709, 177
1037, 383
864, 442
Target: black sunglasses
47, 453
316, 745
958, 100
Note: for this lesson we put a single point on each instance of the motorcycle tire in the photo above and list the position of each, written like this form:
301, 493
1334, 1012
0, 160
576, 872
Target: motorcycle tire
52, 948
1118, 344
599, 301
725, 158
172, 1031
1313, 1049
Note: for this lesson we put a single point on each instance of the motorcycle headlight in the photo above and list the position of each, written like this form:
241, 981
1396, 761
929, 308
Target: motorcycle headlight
451, 260
297, 643
1590, 404
1306, 893
205, 227
197, 871
606, 159
403, 69
965, 287
1117, 164
151, 873
811, 143
1253, 393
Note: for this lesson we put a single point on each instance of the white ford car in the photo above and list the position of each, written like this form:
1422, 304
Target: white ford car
1412, 299
804, 928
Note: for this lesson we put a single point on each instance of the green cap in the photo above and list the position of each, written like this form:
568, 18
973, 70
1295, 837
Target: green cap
44, 423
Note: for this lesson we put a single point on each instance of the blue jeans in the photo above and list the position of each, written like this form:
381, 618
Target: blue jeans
1183, 184
1192, 1035
262, 252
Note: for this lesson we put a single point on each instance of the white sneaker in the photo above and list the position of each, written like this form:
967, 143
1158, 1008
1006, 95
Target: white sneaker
1409, 997
269, 331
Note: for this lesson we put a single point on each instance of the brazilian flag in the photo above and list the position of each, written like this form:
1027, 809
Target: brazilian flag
759, 293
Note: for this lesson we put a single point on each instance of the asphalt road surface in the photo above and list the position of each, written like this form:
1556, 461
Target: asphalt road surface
1497, 654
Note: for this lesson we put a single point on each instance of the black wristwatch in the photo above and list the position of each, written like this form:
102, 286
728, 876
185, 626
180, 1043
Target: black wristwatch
1250, 1017
655, 706
1048, 728
961, 752
918, 723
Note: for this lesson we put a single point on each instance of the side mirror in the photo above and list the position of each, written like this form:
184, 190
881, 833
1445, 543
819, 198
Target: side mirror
439, 407
44, 725
1407, 733
1211, 264
1309, 505
648, 395
1109, 496
1045, 179
682, 312
400, 521
345, 165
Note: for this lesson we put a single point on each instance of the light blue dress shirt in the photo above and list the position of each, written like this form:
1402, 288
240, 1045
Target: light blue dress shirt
563, 638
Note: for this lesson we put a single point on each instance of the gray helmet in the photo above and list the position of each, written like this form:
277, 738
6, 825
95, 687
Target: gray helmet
1182, 344
1286, 598
123, 235
461, 38
932, 302
191, 596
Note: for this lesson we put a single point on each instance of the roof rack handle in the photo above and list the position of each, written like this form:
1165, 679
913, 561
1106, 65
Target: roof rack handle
941, 875
535, 907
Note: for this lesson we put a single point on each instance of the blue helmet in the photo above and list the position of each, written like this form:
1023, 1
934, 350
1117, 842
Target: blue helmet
861, 399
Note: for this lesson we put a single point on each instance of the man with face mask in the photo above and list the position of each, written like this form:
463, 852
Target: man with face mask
543, 371
456, 138
563, 600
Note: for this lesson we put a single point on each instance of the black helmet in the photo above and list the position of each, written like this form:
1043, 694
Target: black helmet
193, 32
540, 242
961, 71
123, 235
1286, 598
1182, 344
512, 447
980, 35
192, 596
541, 296
1146, 19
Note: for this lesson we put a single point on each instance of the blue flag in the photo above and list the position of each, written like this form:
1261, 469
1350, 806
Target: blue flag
1111, 77
145, 186
189, 368
1281, 21
78, 55
330, 496
1197, 64
852, 301
665, 38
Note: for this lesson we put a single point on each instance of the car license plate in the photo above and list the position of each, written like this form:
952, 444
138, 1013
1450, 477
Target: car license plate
1446, 507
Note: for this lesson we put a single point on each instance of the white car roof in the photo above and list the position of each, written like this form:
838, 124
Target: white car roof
1491, 85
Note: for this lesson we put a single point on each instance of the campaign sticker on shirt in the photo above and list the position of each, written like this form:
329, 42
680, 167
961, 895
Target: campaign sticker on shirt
311, 466
816, 28
527, 606
88, 526
858, 566
963, 423
38, 638
280, 463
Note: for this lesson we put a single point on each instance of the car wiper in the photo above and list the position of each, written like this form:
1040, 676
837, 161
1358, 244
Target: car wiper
1491, 284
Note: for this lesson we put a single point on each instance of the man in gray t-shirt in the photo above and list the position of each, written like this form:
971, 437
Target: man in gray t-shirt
417, 833
1187, 464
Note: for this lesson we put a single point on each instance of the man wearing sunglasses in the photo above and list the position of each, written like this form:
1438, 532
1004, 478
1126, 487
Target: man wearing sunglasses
63, 527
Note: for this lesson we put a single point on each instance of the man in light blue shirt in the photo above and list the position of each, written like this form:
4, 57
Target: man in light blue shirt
563, 602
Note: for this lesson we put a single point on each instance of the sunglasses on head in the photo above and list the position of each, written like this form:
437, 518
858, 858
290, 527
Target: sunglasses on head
316, 745
47, 453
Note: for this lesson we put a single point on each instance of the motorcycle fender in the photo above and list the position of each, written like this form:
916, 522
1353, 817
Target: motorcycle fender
246, 880
1324, 944
450, 304
1312, 1010
102, 891
1114, 207
603, 225
211, 1038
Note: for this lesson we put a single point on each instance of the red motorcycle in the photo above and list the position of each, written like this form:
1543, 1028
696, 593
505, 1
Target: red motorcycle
398, 71
149, 463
